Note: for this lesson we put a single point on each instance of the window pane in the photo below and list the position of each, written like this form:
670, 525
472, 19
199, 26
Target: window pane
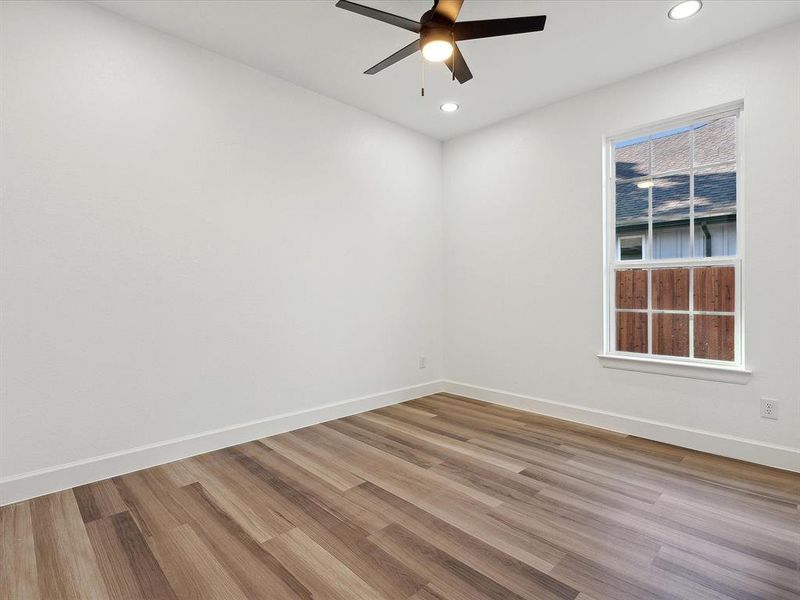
672, 241
671, 207
671, 290
632, 159
670, 334
671, 198
714, 289
672, 152
715, 211
713, 337
715, 191
631, 248
715, 141
715, 238
632, 204
632, 289
632, 332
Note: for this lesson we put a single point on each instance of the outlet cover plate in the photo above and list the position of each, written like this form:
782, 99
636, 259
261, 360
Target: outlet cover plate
769, 408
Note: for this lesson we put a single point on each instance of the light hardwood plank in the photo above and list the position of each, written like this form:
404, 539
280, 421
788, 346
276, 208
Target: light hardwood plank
191, 568
18, 570
66, 563
325, 575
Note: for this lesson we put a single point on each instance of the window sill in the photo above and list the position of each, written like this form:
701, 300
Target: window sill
725, 374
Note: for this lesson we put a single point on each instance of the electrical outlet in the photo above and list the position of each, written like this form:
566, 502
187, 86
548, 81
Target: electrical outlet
423, 362
769, 408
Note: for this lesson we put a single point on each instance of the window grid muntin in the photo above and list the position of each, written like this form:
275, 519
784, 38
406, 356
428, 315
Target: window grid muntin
691, 223
650, 306
712, 165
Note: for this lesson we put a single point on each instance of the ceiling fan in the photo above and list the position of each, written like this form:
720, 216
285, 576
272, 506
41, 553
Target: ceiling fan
438, 33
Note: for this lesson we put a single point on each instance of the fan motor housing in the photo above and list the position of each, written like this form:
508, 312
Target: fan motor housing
435, 31
435, 27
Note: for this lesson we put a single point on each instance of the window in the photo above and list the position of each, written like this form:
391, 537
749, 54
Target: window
674, 248
631, 247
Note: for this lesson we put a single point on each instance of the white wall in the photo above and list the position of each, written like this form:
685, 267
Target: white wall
190, 244
523, 254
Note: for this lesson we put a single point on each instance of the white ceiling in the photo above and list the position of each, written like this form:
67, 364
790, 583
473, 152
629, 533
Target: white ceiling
585, 45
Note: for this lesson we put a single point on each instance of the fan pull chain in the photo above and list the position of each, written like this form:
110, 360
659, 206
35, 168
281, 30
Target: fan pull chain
422, 64
453, 55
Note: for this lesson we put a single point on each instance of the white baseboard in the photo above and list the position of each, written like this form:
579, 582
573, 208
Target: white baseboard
61, 477
782, 457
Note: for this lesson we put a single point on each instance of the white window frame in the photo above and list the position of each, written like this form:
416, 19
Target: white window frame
735, 371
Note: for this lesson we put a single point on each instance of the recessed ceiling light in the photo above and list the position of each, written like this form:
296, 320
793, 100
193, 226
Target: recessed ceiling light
684, 10
449, 107
645, 185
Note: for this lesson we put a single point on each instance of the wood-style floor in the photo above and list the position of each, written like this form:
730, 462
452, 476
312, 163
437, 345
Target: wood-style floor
441, 497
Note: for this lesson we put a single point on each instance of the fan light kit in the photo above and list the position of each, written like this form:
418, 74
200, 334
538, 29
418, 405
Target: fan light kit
437, 50
449, 107
684, 10
438, 33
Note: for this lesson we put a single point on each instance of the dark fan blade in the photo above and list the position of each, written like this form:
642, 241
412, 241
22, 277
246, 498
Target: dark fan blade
374, 13
447, 9
461, 70
396, 57
470, 30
